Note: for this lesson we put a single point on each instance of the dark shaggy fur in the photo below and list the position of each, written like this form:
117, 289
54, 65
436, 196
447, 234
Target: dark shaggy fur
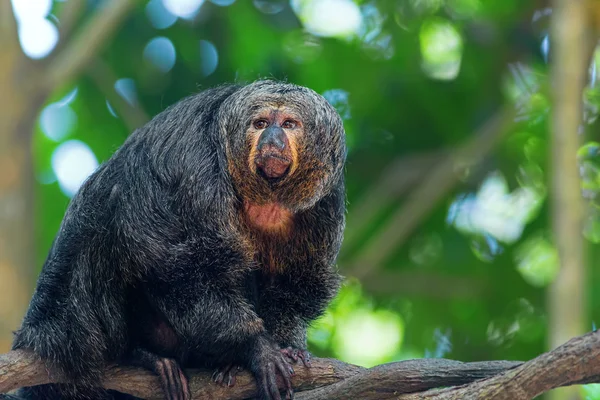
155, 262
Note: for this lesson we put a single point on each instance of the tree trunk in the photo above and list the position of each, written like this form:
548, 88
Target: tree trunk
17, 115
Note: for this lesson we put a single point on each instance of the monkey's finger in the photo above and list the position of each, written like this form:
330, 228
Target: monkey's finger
164, 380
187, 394
219, 377
305, 356
290, 353
168, 378
272, 382
286, 372
181, 389
233, 376
265, 390
289, 394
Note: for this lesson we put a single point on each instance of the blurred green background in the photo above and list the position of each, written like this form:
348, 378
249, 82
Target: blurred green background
448, 250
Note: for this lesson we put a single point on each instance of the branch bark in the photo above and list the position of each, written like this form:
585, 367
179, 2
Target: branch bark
575, 362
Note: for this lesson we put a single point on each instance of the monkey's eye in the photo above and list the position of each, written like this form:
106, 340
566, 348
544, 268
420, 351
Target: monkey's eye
260, 124
288, 124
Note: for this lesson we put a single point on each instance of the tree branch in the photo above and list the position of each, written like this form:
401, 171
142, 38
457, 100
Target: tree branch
432, 285
575, 362
76, 54
105, 79
401, 175
434, 186
69, 15
8, 25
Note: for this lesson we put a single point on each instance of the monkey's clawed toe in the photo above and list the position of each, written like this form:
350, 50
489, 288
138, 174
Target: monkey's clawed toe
296, 354
226, 376
270, 366
172, 379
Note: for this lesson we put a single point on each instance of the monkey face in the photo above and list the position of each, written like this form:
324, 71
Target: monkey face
272, 138
285, 144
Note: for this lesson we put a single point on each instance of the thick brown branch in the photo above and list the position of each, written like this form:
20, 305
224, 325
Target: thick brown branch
577, 361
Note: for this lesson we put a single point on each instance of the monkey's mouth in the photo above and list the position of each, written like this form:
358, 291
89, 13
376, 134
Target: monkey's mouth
272, 163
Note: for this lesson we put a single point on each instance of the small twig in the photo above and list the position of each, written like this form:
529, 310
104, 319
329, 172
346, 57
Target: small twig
73, 58
441, 179
104, 78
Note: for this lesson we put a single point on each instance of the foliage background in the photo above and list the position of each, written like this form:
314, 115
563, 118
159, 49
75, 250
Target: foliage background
449, 250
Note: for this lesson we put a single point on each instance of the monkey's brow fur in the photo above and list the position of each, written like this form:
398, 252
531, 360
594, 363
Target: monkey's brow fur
153, 252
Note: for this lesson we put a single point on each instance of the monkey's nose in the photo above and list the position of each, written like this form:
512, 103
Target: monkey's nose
272, 136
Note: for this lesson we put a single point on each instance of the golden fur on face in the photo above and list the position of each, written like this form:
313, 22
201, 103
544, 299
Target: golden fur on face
275, 114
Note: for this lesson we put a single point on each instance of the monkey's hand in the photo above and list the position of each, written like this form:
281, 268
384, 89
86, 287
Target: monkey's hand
268, 361
172, 379
296, 354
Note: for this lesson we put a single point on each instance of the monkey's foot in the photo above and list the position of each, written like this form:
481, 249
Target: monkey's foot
172, 379
267, 363
295, 354
226, 375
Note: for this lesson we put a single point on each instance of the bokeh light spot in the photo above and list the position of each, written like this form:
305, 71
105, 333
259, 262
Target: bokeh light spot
330, 18
31, 9
183, 8
111, 110
209, 57
441, 49
38, 37
159, 16
269, 6
338, 98
72, 162
126, 88
223, 3
495, 212
588, 157
69, 97
537, 261
57, 121
161, 52
367, 337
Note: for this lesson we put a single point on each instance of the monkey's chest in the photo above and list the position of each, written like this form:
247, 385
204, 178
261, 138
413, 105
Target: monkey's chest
270, 236
270, 218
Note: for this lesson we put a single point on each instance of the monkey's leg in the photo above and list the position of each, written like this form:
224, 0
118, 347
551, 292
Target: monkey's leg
290, 332
172, 379
217, 319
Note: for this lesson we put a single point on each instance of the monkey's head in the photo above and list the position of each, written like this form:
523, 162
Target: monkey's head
285, 144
